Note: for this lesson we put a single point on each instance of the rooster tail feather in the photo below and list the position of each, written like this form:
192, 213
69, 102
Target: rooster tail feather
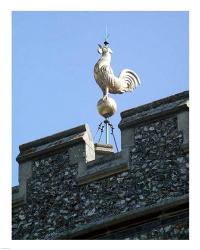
129, 80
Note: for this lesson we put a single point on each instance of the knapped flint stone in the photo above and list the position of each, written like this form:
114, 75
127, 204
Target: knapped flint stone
133, 150
141, 197
151, 129
124, 174
180, 159
167, 228
64, 212
143, 237
121, 195
22, 217
91, 212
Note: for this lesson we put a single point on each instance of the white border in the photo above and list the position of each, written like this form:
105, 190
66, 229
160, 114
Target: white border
57, 5
6, 7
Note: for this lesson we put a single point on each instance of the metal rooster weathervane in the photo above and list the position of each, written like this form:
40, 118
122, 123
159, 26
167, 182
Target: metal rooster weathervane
109, 83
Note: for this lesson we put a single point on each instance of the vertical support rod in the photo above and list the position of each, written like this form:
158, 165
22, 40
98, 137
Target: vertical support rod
107, 128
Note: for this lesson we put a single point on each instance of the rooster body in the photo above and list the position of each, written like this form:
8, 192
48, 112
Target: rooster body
105, 78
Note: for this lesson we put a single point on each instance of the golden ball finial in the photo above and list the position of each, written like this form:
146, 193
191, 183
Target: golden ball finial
106, 106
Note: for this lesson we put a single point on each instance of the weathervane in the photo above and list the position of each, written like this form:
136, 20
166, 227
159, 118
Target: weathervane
109, 83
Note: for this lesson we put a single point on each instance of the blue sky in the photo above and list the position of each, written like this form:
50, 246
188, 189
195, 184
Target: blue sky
53, 55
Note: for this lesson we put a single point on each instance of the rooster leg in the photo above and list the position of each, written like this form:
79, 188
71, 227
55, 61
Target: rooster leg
105, 93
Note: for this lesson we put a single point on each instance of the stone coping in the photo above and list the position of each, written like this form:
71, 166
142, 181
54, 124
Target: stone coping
107, 158
185, 147
103, 149
155, 110
109, 146
54, 142
155, 211
17, 198
18, 202
15, 189
104, 167
54, 137
155, 104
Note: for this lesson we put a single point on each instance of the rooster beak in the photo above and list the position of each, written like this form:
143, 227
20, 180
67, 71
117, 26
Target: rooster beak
100, 49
